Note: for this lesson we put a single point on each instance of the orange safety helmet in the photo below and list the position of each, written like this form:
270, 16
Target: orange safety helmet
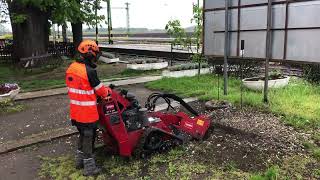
89, 47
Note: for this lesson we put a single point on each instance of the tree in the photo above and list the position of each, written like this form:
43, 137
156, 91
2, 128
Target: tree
175, 31
77, 26
64, 32
30, 27
31, 21
77, 12
197, 34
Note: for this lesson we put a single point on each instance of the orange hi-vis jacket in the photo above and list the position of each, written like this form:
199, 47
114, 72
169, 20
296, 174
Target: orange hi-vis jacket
83, 99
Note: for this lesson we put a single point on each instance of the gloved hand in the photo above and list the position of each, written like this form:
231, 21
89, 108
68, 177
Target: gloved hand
112, 86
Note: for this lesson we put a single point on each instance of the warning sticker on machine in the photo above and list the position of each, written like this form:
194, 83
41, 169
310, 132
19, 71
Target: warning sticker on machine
188, 125
200, 122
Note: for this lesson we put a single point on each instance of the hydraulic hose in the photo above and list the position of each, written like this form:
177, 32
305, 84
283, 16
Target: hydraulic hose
153, 98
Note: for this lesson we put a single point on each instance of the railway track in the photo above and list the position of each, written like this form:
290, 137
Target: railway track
178, 56
182, 57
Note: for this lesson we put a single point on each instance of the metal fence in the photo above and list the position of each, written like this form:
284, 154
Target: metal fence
295, 29
58, 49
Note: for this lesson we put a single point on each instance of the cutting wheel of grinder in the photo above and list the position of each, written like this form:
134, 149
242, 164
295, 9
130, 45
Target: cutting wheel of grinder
153, 141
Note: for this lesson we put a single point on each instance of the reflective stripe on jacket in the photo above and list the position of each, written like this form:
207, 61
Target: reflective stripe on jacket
82, 93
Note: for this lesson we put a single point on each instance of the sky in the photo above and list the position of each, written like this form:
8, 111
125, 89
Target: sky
152, 14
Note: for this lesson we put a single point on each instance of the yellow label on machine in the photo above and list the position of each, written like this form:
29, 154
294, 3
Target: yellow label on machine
200, 122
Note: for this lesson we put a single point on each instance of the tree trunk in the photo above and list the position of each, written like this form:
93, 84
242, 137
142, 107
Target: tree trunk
30, 37
77, 34
64, 33
77, 31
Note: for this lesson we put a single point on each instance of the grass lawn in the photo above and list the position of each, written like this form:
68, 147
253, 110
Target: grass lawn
298, 103
48, 78
175, 165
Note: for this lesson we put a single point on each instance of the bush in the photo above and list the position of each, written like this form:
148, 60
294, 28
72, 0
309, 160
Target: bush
139, 61
250, 68
6, 36
146, 61
10, 106
187, 66
312, 73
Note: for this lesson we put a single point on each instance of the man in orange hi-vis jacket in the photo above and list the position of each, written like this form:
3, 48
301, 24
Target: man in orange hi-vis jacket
83, 88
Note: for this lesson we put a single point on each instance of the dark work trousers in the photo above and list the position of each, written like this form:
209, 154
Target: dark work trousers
86, 140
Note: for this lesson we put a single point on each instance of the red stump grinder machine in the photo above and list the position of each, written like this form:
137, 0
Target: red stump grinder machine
129, 129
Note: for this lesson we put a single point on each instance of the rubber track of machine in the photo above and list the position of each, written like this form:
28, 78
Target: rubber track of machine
139, 151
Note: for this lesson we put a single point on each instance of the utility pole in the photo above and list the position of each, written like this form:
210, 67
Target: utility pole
54, 34
268, 51
198, 39
96, 14
226, 48
198, 45
109, 22
58, 31
128, 18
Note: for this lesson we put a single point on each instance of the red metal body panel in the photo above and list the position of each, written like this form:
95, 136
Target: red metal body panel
196, 127
117, 138
117, 131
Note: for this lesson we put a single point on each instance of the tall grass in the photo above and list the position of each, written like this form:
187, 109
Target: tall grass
298, 103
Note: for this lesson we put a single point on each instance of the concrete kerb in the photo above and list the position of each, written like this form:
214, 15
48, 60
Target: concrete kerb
60, 133
61, 91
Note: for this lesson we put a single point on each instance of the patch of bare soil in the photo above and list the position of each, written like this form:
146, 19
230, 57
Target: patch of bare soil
249, 139
265, 126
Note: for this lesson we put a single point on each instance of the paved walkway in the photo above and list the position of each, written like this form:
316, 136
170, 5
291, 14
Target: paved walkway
58, 91
45, 119
50, 135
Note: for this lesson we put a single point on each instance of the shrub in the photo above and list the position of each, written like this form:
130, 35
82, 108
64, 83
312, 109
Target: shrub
312, 73
9, 106
187, 66
139, 61
250, 68
146, 61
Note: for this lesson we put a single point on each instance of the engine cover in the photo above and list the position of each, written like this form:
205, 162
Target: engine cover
132, 119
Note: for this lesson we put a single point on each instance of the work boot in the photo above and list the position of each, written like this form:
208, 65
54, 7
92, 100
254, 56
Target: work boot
90, 167
79, 159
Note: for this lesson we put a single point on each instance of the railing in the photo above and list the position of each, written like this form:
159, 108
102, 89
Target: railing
61, 48
57, 49
40, 61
